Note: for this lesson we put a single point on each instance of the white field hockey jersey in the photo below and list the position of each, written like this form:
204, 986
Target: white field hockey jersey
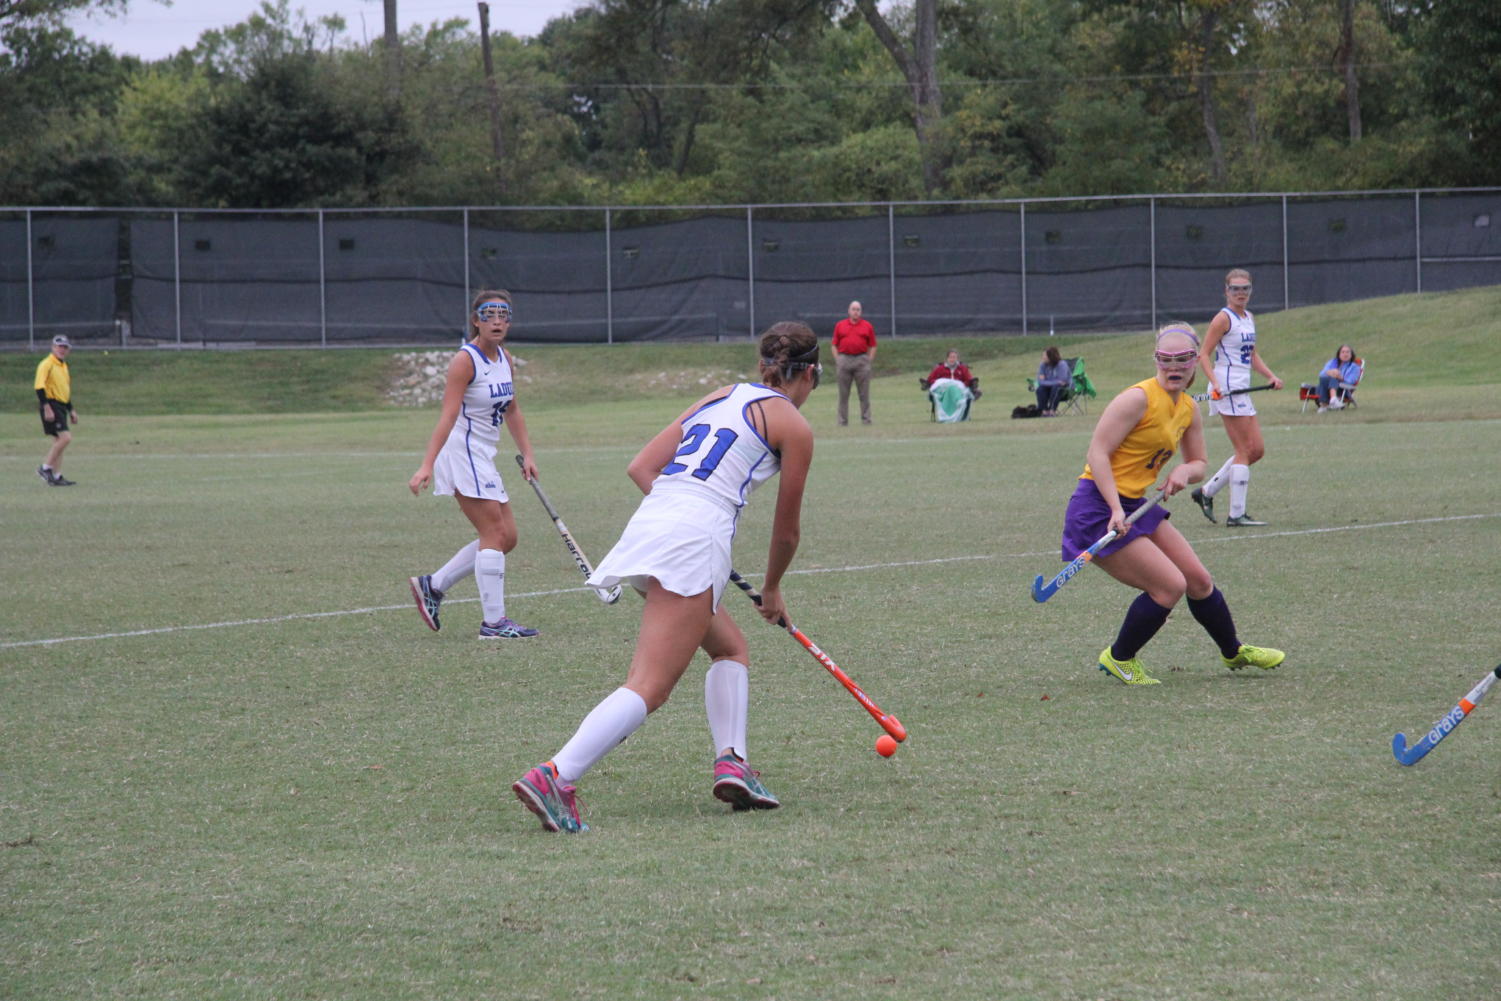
722, 456
1232, 356
486, 398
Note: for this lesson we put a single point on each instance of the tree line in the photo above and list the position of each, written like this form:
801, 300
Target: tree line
669, 102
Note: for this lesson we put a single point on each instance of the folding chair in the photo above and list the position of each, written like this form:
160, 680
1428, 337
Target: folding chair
1345, 391
1079, 391
949, 399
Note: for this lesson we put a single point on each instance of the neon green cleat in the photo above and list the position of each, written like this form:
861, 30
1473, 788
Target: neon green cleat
1132, 672
1263, 657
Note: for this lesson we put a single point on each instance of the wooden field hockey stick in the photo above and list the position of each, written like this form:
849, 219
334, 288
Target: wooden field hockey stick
888, 722
608, 595
1042, 592
1411, 755
1211, 395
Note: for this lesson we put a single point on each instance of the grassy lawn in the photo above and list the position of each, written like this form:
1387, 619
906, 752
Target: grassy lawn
235, 765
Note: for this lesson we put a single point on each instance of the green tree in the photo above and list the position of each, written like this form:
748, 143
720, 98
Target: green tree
1461, 63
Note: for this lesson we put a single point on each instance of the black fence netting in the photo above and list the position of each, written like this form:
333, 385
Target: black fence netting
347, 277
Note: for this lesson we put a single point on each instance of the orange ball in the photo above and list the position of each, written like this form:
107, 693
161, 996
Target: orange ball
886, 745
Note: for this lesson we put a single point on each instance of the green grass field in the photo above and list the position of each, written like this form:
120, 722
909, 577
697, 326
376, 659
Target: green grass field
235, 765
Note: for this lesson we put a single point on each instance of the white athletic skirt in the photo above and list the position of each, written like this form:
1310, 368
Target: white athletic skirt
466, 465
681, 540
1234, 406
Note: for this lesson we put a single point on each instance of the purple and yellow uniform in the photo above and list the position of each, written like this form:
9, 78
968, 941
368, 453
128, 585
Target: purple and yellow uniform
1136, 462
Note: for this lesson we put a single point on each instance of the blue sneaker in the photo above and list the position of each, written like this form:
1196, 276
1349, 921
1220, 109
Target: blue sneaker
428, 599
504, 629
738, 785
555, 804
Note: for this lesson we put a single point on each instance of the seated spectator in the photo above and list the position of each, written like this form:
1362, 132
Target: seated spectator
1341, 368
1052, 376
952, 368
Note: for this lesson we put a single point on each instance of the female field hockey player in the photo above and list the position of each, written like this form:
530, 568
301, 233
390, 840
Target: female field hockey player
1134, 440
697, 475
479, 396
1228, 358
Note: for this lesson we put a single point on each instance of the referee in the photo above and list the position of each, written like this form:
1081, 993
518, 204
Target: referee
54, 393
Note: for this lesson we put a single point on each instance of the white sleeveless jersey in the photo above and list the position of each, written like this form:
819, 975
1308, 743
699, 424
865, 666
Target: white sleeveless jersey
1232, 356
722, 457
486, 398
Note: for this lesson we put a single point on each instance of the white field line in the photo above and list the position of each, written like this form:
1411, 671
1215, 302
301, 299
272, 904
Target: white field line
1247, 537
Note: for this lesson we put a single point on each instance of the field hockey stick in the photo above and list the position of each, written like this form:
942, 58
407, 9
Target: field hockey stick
1042, 592
1412, 755
888, 722
1211, 395
608, 596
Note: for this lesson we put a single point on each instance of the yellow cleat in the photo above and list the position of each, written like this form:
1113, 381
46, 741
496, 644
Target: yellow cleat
1263, 657
1132, 672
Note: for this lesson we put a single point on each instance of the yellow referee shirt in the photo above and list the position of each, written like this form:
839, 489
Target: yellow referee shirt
52, 376
1151, 443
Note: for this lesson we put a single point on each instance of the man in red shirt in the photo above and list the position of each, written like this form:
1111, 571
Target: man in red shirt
854, 350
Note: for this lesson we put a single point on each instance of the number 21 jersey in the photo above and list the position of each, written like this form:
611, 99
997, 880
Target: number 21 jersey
722, 456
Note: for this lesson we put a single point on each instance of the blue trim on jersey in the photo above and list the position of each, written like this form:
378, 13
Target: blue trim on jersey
469, 453
751, 475
745, 413
473, 362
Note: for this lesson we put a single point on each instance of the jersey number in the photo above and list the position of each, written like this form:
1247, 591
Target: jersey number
693, 441
1245, 353
1159, 458
498, 414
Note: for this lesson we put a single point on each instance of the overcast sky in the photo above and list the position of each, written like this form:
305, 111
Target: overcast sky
153, 31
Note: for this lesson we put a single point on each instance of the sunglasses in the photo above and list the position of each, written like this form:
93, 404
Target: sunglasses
491, 311
1238, 288
1175, 360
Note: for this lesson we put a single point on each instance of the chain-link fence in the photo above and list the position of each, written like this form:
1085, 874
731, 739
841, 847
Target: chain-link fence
404, 276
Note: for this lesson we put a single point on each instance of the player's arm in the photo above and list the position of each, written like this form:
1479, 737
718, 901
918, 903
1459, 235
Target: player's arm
460, 373
787, 432
1120, 416
1218, 327
43, 370
648, 463
517, 423
1195, 458
1261, 366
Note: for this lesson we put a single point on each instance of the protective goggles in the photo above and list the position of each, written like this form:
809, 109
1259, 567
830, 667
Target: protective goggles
1238, 289
1181, 359
489, 312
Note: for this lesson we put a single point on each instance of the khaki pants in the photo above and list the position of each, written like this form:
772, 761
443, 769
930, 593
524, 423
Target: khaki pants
856, 369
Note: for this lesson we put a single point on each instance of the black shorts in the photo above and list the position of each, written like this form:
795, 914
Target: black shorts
59, 420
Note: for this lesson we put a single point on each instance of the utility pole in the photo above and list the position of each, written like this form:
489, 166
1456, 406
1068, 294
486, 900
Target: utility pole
493, 94
393, 52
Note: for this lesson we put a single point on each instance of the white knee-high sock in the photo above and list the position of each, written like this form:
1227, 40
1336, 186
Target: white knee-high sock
456, 569
726, 700
620, 714
1240, 484
490, 575
1214, 483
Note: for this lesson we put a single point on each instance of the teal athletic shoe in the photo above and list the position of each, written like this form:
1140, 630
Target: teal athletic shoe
1243, 521
554, 803
1206, 504
1263, 657
504, 629
740, 786
1131, 672
428, 599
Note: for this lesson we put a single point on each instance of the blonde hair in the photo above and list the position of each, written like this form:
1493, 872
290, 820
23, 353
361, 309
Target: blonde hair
1178, 327
1235, 273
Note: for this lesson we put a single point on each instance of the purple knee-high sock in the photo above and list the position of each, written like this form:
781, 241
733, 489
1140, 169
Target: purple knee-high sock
1214, 615
1143, 619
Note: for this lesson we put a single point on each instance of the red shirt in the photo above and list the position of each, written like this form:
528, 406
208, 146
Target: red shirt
942, 371
854, 337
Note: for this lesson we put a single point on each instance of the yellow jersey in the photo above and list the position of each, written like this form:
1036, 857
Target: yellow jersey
52, 376
1150, 445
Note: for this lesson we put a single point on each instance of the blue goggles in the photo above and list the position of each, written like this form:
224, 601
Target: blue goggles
495, 309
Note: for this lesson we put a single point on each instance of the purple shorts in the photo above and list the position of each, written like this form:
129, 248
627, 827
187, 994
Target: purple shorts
1088, 519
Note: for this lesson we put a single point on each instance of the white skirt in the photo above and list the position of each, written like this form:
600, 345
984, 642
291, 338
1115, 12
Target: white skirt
1234, 406
466, 465
681, 540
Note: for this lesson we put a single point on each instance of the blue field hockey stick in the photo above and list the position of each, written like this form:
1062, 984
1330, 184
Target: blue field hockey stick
1411, 755
1042, 592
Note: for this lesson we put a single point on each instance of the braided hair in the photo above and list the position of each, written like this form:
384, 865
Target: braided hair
787, 348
